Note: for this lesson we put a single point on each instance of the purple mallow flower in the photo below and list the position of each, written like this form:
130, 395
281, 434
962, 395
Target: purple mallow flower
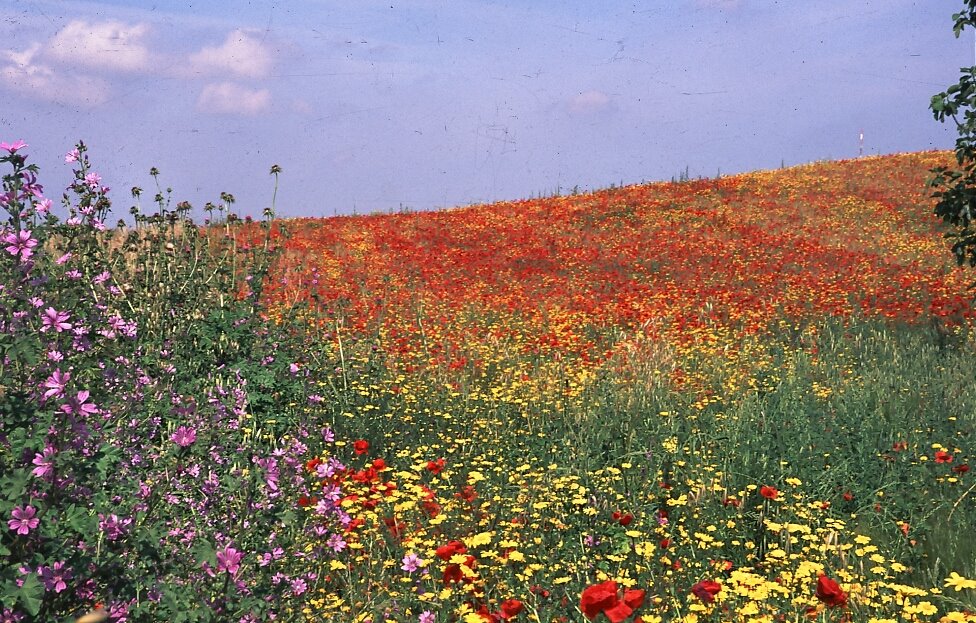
12, 147
411, 562
20, 243
79, 405
229, 560
56, 383
336, 542
55, 577
184, 436
93, 180
45, 463
23, 519
112, 526
53, 319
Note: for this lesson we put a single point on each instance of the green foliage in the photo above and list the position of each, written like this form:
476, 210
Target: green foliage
955, 189
151, 478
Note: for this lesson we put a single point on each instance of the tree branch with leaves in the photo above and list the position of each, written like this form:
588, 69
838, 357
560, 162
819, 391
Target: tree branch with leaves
955, 188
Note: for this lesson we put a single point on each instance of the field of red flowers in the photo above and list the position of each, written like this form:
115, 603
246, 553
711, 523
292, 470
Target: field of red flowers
668, 260
721, 395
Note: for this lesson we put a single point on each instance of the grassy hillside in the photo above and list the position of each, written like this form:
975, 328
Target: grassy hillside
768, 375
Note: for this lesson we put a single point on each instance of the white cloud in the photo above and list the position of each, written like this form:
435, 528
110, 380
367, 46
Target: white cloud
25, 76
231, 98
107, 45
242, 54
589, 102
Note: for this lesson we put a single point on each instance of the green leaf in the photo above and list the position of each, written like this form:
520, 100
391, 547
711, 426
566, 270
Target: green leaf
15, 485
79, 519
31, 595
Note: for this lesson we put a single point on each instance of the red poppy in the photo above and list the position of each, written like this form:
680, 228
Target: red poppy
360, 446
734, 503
445, 552
511, 608
624, 519
848, 496
829, 592
706, 590
397, 528
311, 465
597, 598
770, 493
634, 597
941, 456
468, 494
435, 467
603, 598
618, 612
453, 574
379, 465
432, 508
961, 469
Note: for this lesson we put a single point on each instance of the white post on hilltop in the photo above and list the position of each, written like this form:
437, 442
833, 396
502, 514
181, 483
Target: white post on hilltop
860, 144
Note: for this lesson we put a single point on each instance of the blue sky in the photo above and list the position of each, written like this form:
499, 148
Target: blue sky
373, 106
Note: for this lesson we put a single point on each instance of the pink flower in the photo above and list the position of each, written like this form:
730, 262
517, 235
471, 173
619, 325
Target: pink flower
411, 562
43, 206
20, 243
229, 560
55, 577
53, 319
184, 436
56, 383
79, 405
45, 463
72, 156
23, 519
12, 147
112, 526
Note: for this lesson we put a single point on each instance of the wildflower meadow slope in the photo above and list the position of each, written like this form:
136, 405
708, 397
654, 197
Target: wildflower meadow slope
748, 397
740, 399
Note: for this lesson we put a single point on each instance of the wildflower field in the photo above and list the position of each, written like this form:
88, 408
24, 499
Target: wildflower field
741, 399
